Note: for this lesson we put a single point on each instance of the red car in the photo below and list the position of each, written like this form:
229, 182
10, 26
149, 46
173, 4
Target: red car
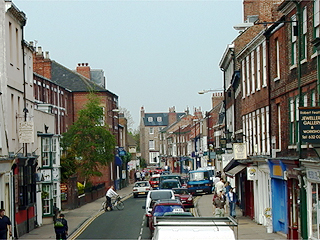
185, 197
164, 206
154, 182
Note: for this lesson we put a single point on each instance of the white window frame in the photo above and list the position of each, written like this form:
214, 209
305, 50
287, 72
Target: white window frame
150, 119
264, 64
243, 79
277, 60
151, 130
258, 69
151, 145
293, 42
253, 74
316, 17
248, 75
304, 32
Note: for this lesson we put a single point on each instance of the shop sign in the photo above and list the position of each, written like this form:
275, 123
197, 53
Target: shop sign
251, 173
26, 132
309, 124
239, 151
277, 170
313, 175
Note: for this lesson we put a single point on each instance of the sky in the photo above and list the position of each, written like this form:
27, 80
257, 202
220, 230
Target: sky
155, 54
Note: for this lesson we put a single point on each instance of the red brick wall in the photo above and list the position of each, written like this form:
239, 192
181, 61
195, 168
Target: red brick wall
84, 70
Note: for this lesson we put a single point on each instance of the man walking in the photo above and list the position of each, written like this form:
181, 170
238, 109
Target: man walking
5, 225
61, 227
232, 198
219, 203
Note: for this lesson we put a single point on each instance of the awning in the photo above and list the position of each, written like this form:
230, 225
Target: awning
118, 161
232, 172
233, 167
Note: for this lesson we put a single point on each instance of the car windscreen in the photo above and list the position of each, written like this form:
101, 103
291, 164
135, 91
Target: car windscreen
160, 210
154, 179
181, 191
160, 195
165, 177
170, 184
198, 176
142, 184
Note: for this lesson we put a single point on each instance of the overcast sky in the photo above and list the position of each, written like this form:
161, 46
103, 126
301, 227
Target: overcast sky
155, 54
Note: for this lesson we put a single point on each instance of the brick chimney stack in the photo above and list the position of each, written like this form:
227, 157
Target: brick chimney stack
217, 98
172, 115
84, 70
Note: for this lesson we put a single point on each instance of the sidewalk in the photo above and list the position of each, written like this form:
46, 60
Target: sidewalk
75, 217
247, 228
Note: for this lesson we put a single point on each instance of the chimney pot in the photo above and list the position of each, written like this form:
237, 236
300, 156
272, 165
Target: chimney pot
79, 64
40, 50
47, 54
87, 64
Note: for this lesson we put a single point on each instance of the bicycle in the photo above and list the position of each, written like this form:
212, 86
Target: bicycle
116, 203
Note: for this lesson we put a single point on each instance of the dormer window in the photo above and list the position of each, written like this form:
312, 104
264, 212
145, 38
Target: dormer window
150, 119
159, 119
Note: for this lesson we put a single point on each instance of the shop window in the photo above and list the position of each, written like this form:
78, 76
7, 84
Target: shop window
46, 152
45, 195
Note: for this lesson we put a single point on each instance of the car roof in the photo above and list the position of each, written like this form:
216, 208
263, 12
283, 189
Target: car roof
168, 202
142, 182
171, 180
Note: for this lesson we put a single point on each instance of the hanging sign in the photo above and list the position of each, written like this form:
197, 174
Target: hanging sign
251, 173
239, 151
26, 132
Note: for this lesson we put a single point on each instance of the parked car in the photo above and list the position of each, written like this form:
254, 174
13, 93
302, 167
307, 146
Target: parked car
161, 207
153, 196
170, 183
154, 181
185, 197
141, 188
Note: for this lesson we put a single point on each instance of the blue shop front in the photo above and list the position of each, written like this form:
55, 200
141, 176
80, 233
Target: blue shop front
285, 195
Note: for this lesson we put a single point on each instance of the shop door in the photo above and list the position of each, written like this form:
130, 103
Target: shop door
293, 209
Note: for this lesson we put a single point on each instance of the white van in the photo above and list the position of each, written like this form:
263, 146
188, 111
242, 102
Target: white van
184, 228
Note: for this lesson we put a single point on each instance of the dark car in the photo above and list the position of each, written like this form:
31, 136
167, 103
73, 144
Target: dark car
164, 206
169, 184
185, 197
170, 176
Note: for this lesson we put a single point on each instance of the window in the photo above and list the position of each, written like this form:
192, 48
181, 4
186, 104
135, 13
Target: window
243, 79
313, 98
54, 151
292, 126
277, 55
46, 206
159, 119
10, 42
253, 74
304, 34
293, 41
17, 48
248, 75
103, 118
258, 69
316, 20
150, 119
46, 152
151, 144
264, 64
151, 130
279, 126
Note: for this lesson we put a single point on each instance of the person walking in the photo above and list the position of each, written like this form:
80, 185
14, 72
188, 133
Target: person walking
219, 202
232, 198
219, 186
5, 225
61, 227
110, 193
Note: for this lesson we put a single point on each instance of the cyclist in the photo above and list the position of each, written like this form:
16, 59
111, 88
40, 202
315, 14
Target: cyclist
110, 193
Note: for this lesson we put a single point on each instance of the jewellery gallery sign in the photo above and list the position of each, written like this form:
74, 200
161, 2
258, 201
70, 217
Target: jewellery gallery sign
309, 124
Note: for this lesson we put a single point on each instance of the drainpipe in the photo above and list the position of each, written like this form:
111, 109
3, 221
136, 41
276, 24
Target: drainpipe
303, 193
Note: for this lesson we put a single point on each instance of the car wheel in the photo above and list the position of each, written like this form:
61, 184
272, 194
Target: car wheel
135, 195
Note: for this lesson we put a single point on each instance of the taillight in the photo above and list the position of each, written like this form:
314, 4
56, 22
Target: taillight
134, 190
147, 188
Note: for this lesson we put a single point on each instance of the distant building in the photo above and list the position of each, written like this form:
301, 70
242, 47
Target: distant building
150, 126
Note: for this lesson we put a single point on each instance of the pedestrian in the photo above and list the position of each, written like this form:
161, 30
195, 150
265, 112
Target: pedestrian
219, 203
110, 193
227, 187
61, 227
5, 225
138, 175
232, 198
219, 186
143, 175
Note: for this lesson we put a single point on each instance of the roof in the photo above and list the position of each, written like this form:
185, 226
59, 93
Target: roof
158, 119
72, 80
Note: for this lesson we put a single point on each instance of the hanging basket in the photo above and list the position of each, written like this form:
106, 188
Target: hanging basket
267, 213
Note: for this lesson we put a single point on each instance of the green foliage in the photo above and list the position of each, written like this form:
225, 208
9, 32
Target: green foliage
80, 188
143, 163
68, 165
89, 140
136, 137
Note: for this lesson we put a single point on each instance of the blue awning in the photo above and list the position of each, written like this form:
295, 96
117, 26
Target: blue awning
118, 161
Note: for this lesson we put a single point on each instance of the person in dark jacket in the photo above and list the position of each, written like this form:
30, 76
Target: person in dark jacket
232, 197
61, 227
5, 225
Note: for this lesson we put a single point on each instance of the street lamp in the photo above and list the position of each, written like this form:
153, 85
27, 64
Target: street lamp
210, 90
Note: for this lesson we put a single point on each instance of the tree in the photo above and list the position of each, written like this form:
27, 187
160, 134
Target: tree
129, 118
89, 140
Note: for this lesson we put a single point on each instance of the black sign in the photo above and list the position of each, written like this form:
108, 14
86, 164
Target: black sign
309, 124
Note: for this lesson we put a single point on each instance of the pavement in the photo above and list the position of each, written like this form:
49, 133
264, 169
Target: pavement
79, 218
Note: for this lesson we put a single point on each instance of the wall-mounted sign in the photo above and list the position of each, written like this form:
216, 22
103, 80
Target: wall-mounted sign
251, 173
239, 151
313, 175
26, 132
47, 175
309, 124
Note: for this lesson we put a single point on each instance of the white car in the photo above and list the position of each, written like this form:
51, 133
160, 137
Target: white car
141, 188
155, 195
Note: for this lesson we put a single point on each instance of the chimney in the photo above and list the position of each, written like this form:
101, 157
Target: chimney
47, 55
84, 70
39, 52
172, 116
217, 98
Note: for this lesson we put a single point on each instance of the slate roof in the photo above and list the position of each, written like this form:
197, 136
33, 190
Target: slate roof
72, 80
156, 117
